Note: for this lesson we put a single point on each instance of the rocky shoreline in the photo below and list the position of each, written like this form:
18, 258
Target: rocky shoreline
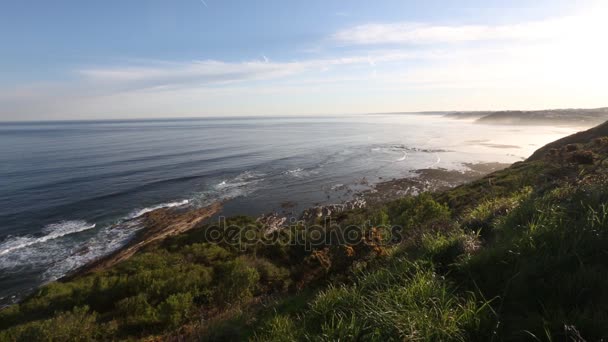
161, 223
158, 225
426, 180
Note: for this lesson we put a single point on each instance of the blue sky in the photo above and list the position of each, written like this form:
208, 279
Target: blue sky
161, 58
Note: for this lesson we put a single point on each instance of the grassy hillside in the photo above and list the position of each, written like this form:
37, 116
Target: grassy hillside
521, 254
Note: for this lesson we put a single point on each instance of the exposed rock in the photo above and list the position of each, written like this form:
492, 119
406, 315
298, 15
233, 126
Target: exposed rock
311, 215
428, 180
272, 221
159, 224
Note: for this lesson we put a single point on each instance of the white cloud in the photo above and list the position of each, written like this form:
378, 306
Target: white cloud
210, 72
423, 33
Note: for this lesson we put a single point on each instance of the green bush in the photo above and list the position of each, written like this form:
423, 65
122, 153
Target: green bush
76, 325
175, 309
205, 253
272, 278
237, 281
136, 311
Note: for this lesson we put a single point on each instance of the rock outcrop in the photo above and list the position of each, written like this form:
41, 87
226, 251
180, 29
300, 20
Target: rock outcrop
158, 225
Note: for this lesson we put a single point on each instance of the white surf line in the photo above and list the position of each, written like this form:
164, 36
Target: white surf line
137, 213
30, 241
437, 161
402, 158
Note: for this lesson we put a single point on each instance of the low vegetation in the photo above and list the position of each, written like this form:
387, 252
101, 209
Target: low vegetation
518, 255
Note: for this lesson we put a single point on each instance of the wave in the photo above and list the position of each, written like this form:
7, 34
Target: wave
140, 212
241, 185
402, 158
437, 161
242, 179
53, 231
106, 241
337, 187
55, 253
302, 173
295, 172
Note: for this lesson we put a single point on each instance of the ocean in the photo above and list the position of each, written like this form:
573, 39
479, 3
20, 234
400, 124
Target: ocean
68, 189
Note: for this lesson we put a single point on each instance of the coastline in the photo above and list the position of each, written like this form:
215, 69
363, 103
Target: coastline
158, 224
429, 180
161, 223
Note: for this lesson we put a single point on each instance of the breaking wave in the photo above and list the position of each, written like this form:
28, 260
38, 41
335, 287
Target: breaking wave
59, 250
241, 185
140, 212
53, 231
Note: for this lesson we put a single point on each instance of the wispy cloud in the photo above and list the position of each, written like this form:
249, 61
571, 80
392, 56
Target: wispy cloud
206, 71
424, 33
209, 72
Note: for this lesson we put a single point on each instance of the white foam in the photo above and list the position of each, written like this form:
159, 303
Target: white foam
57, 255
250, 176
337, 186
295, 172
437, 161
53, 231
241, 185
404, 157
242, 180
300, 173
106, 241
140, 212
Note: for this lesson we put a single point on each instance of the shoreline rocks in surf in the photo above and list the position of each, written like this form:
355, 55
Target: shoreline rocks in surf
158, 224
164, 222
425, 180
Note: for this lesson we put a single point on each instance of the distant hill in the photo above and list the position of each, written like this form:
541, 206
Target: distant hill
585, 117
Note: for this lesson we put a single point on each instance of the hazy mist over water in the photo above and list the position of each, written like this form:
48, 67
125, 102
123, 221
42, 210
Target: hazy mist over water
68, 188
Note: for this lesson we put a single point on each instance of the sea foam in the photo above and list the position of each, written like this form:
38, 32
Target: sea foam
140, 212
52, 231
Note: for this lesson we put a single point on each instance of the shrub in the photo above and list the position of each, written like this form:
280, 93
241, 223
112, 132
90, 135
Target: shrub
136, 311
582, 157
237, 282
272, 277
76, 325
205, 253
175, 309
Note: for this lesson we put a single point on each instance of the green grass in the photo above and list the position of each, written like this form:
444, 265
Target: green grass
402, 300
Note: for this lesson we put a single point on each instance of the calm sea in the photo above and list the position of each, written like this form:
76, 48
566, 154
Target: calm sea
68, 189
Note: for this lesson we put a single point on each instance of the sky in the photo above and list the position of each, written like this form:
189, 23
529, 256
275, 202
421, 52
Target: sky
116, 59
